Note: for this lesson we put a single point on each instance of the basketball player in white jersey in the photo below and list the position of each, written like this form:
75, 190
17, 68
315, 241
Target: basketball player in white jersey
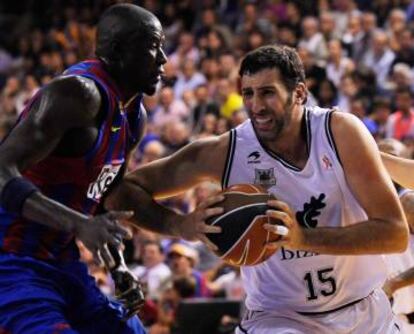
400, 282
334, 197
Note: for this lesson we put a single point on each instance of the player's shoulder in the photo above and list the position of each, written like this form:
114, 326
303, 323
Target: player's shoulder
75, 94
345, 125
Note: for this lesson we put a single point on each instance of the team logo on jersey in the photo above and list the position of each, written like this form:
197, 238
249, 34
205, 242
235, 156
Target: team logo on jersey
311, 210
326, 162
253, 158
105, 178
265, 177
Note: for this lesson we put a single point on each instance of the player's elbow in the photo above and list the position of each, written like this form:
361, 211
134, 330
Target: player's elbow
400, 236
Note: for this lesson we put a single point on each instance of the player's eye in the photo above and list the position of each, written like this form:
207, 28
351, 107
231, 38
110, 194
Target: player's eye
247, 94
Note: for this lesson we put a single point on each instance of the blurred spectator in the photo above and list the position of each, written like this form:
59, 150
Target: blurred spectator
175, 135
380, 57
153, 271
396, 23
401, 76
182, 260
381, 110
314, 73
313, 40
400, 124
30, 87
326, 94
230, 101
359, 108
185, 50
204, 106
169, 109
405, 52
354, 38
170, 74
337, 65
175, 290
327, 26
188, 79
347, 91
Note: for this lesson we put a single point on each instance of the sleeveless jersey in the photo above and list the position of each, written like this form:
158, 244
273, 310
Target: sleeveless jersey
77, 182
320, 197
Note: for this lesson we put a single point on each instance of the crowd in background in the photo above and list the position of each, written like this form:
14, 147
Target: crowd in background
358, 55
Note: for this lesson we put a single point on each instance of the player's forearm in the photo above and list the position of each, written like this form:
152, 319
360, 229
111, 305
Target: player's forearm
148, 214
400, 170
404, 279
368, 237
46, 211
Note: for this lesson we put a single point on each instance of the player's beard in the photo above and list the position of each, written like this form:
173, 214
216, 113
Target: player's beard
280, 123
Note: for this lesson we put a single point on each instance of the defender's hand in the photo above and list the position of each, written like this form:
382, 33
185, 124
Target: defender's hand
99, 231
193, 227
292, 234
128, 290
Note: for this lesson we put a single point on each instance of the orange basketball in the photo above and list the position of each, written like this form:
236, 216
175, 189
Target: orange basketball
242, 240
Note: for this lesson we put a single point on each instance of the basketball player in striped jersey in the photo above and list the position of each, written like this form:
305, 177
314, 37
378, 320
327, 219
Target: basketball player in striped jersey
333, 195
67, 149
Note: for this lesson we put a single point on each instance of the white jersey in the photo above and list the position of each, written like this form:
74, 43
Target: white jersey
299, 280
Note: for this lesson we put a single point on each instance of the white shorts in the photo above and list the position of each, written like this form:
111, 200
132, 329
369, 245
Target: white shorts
371, 315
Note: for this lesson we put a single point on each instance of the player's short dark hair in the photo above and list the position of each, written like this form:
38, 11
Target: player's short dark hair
283, 58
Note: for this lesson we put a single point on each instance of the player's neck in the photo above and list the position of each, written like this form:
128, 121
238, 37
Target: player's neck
127, 93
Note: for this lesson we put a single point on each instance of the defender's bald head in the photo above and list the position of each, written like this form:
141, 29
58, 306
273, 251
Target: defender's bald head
118, 23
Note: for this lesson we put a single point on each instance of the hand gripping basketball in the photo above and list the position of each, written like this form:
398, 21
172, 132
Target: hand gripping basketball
291, 232
243, 239
194, 227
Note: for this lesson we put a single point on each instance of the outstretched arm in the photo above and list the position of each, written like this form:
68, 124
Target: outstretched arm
66, 103
385, 230
401, 170
199, 161
405, 278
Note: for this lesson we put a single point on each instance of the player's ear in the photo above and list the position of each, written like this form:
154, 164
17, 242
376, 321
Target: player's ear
116, 52
301, 93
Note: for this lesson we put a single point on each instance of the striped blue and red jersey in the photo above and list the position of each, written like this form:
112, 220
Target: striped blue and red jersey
77, 182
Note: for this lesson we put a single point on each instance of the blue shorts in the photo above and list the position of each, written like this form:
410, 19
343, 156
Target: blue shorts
38, 297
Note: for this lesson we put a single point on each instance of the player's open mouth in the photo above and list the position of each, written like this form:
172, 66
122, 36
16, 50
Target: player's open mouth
263, 122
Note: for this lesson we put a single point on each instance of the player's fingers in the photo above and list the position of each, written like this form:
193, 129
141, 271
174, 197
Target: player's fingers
276, 244
211, 201
107, 257
280, 215
119, 230
212, 212
208, 242
274, 203
276, 229
98, 258
205, 228
120, 215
